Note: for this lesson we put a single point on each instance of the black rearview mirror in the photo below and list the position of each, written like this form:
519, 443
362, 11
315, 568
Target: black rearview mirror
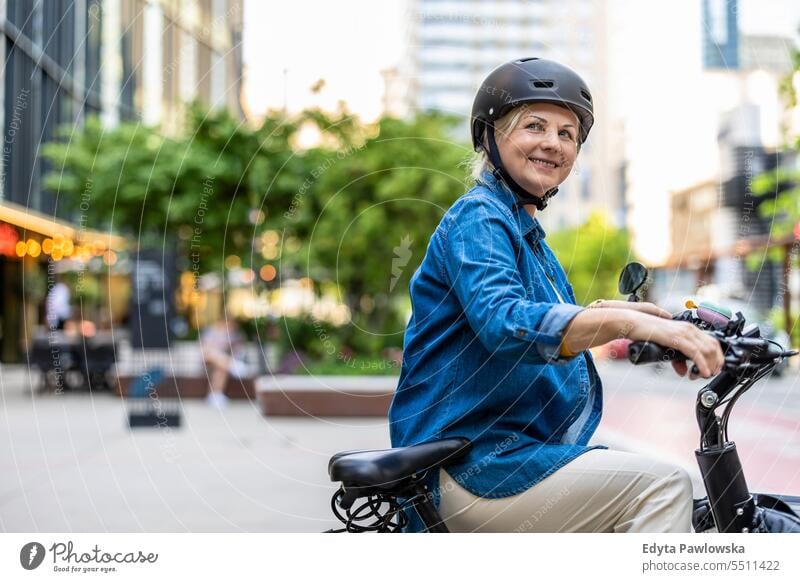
632, 278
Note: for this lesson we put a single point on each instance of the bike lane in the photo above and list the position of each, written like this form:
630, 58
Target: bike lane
768, 440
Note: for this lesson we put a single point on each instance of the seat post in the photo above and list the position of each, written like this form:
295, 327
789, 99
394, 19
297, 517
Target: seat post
427, 511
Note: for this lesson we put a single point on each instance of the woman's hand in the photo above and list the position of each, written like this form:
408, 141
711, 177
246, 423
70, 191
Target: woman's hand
697, 345
650, 308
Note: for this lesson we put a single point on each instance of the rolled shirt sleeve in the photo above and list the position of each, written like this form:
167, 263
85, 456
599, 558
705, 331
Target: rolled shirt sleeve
554, 324
480, 260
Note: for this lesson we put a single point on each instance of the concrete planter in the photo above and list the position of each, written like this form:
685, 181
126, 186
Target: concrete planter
314, 396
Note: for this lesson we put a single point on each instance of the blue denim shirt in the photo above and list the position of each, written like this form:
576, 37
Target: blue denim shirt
481, 350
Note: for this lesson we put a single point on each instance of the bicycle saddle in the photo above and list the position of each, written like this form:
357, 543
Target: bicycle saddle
384, 469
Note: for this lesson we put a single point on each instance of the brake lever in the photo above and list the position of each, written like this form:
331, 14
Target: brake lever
729, 352
684, 316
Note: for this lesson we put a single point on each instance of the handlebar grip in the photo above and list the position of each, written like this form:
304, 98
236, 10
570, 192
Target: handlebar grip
650, 353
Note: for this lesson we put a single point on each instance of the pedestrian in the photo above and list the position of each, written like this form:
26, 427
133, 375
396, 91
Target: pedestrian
57, 304
221, 343
497, 349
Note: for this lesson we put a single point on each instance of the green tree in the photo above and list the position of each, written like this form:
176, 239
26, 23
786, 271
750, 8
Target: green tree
202, 189
353, 213
372, 205
593, 256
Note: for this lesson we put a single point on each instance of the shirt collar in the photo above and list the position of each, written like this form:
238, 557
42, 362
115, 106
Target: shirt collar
528, 223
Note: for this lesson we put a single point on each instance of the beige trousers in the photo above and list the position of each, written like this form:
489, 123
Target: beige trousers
599, 491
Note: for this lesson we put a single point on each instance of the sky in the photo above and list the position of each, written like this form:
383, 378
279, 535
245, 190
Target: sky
289, 46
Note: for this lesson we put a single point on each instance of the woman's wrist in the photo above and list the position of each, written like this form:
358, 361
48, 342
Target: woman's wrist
627, 323
594, 327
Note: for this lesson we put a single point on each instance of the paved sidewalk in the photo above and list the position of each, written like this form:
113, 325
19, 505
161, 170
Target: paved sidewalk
71, 464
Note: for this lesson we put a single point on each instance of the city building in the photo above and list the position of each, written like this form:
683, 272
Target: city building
65, 60
174, 51
454, 44
716, 223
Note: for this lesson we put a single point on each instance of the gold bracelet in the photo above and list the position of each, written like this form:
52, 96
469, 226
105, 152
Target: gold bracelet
564, 351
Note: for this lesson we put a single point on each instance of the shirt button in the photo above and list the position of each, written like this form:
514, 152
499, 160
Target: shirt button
521, 333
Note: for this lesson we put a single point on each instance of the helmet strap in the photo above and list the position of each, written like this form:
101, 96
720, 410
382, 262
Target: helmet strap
500, 173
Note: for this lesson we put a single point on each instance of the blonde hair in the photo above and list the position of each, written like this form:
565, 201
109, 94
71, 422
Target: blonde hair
502, 127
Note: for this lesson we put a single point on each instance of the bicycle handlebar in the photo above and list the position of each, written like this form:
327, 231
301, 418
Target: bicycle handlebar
650, 352
737, 350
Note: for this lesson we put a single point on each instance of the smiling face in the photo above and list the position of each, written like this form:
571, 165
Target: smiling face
539, 151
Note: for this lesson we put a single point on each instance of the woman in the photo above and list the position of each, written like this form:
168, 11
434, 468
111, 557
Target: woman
497, 350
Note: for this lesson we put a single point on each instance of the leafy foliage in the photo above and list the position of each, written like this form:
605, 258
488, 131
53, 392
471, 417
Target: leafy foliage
203, 185
593, 255
375, 205
353, 213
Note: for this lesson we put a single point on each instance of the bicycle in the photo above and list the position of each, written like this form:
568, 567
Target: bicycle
389, 482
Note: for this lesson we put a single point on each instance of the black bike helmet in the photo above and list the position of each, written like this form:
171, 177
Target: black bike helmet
521, 81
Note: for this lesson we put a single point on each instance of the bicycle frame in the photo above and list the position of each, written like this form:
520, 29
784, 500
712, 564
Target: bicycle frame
732, 505
748, 358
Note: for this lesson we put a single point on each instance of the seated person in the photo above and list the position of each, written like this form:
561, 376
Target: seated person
221, 343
